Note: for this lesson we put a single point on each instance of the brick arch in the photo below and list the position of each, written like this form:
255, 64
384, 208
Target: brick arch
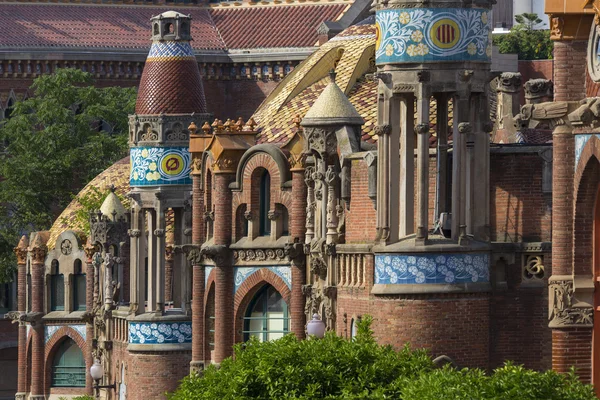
586, 189
591, 149
249, 288
60, 336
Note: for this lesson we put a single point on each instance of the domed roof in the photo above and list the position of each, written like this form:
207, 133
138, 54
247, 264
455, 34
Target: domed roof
117, 175
352, 55
171, 82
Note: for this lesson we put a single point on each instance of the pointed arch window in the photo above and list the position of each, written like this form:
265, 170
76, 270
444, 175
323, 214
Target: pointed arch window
267, 316
264, 204
68, 368
57, 288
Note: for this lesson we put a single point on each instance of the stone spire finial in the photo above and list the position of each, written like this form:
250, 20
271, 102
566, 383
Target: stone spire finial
206, 128
112, 206
192, 128
332, 75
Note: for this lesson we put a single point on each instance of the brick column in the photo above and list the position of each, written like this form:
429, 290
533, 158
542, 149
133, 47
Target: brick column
570, 69
38, 252
224, 272
90, 250
298, 229
21, 253
198, 278
566, 350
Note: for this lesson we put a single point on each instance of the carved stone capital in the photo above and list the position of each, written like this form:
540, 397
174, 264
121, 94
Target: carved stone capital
510, 82
209, 216
21, 254
248, 216
159, 232
272, 215
219, 254
38, 254
564, 309
134, 233
169, 252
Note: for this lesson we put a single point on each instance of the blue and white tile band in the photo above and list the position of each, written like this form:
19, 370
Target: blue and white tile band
50, 330
170, 51
157, 166
433, 35
160, 332
243, 273
401, 269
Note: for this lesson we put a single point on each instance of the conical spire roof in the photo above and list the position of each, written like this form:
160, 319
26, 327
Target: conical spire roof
332, 108
112, 206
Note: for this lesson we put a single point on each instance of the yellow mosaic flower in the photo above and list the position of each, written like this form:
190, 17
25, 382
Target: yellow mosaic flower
156, 175
422, 49
144, 153
412, 50
136, 176
417, 36
152, 166
150, 176
389, 49
484, 18
472, 49
404, 18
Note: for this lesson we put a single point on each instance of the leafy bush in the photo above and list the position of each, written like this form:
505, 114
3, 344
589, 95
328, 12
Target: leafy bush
526, 40
335, 368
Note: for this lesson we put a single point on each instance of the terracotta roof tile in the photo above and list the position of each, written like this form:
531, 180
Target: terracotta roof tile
127, 27
273, 26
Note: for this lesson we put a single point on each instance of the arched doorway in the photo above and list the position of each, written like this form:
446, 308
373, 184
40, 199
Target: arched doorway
267, 315
596, 332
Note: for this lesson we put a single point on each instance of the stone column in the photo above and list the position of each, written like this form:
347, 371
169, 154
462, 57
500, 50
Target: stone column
159, 233
298, 214
422, 131
137, 251
198, 278
461, 129
407, 165
224, 271
90, 250
21, 253
38, 253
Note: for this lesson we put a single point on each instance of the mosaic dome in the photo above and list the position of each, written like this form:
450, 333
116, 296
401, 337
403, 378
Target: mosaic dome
171, 82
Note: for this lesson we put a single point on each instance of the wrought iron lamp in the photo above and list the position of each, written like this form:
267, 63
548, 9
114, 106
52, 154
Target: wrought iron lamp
97, 372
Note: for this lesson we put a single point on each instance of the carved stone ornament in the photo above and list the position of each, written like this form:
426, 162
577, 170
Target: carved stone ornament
318, 266
259, 255
38, 254
294, 252
169, 252
159, 232
422, 129
465, 127
21, 254
533, 267
538, 88
556, 27
219, 254
322, 141
223, 164
272, 215
197, 164
248, 216
592, 54
321, 300
510, 82
564, 310
297, 161
66, 247
134, 233
383, 130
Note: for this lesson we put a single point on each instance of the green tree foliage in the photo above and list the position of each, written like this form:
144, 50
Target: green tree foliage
336, 368
54, 143
526, 40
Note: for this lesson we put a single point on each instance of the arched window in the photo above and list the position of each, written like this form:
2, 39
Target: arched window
267, 316
57, 288
78, 287
264, 203
68, 368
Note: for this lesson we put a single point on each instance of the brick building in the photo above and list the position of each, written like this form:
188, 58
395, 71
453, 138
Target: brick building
365, 183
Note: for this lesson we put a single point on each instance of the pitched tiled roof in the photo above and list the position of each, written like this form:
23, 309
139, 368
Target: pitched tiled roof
274, 26
117, 175
128, 27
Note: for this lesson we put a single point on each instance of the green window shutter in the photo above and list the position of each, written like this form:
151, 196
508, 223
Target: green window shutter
68, 368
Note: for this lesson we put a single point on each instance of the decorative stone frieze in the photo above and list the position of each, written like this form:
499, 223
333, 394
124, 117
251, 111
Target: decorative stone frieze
564, 309
259, 255
532, 267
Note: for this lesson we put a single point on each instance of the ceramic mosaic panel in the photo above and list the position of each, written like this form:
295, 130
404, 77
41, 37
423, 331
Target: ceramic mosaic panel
580, 142
160, 332
242, 273
433, 35
155, 166
401, 269
169, 50
50, 330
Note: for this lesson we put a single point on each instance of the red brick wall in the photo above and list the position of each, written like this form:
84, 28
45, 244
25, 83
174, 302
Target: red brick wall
157, 372
573, 347
519, 211
570, 70
361, 218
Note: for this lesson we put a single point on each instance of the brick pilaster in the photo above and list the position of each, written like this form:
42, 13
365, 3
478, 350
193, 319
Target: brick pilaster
298, 229
21, 253
198, 274
89, 306
224, 273
570, 70
572, 348
562, 203
38, 253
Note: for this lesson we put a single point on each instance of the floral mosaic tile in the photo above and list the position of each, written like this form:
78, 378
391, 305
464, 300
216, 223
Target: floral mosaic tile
160, 333
431, 268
